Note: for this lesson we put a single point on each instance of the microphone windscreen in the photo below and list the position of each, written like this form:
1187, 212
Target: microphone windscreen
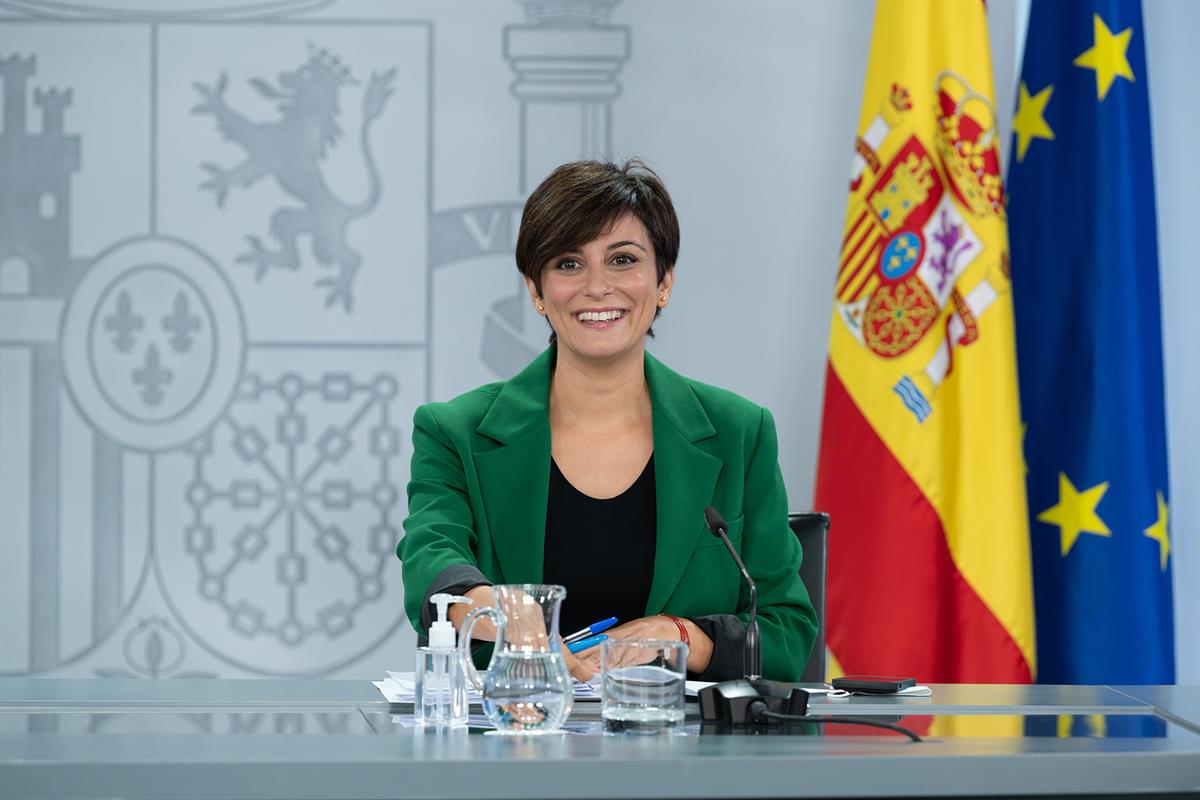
716, 523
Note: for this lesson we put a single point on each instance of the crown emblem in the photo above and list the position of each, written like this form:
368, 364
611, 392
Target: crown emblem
332, 63
967, 142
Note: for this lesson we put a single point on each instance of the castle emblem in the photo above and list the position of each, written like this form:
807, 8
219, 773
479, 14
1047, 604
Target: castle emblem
290, 149
51, 510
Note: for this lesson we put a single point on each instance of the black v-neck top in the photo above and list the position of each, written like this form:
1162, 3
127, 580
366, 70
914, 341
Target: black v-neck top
602, 551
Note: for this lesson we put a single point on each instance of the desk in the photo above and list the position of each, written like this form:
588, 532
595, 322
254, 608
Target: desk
325, 739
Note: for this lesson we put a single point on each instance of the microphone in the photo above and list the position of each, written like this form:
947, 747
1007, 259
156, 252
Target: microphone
746, 701
751, 649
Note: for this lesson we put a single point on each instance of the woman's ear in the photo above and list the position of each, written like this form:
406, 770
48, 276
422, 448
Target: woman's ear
535, 296
664, 288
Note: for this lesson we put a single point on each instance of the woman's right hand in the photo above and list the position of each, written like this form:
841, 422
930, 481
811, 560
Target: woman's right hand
583, 665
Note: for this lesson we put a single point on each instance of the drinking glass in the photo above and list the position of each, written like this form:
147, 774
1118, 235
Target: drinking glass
642, 681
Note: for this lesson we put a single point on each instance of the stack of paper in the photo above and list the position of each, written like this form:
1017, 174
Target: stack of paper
400, 687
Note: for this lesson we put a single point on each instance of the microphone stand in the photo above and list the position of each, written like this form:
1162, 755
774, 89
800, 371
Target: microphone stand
740, 702
751, 648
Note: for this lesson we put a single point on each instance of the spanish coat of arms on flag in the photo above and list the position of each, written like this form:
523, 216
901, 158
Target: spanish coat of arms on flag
920, 465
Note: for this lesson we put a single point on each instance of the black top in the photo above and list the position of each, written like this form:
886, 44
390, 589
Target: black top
601, 550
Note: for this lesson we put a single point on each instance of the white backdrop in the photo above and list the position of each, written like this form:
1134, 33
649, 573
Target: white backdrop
748, 110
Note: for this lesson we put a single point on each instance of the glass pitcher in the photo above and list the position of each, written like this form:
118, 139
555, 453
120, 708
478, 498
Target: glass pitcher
528, 688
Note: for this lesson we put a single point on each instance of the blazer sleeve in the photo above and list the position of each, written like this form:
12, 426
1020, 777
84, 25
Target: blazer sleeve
438, 548
772, 554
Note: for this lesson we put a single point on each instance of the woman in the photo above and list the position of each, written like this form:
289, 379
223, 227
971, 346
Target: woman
592, 467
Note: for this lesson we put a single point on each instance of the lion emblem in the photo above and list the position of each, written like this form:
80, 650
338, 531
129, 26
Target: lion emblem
290, 148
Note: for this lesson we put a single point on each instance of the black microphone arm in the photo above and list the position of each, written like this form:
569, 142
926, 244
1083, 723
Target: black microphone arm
752, 649
751, 700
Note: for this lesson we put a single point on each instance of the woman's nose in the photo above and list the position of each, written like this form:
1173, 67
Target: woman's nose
599, 282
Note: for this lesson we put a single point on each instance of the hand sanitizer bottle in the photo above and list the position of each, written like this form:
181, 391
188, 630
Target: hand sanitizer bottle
441, 686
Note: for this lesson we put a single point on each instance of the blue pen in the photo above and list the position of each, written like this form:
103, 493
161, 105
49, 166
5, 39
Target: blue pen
584, 644
591, 630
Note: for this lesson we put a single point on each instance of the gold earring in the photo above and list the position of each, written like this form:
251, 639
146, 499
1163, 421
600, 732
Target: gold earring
541, 307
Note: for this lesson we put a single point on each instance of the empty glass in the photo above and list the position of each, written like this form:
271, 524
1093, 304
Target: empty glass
528, 688
642, 681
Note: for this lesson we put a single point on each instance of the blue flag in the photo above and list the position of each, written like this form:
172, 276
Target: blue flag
1089, 346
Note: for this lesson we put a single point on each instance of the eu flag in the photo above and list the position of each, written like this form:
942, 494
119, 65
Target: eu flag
1089, 346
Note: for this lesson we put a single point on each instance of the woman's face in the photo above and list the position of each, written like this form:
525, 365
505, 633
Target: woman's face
601, 298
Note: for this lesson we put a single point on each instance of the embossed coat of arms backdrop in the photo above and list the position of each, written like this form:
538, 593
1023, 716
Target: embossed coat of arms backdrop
225, 285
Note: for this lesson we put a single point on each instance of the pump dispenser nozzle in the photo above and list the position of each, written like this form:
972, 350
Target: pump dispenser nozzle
441, 632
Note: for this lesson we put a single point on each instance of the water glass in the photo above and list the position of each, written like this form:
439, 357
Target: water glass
642, 681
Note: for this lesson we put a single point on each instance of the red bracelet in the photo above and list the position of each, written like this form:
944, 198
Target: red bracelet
683, 636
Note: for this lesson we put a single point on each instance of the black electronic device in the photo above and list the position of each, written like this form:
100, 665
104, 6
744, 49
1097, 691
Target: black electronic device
728, 702
872, 684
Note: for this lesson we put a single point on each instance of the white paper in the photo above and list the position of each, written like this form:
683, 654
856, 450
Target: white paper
400, 687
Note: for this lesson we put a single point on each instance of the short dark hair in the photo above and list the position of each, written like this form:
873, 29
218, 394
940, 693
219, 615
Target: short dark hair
581, 200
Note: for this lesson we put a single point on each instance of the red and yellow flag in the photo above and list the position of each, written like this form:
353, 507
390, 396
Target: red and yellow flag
920, 464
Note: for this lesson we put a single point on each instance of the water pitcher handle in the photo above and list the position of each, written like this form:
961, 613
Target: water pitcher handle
464, 643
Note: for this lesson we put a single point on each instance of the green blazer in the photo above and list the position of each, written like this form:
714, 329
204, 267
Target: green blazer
481, 474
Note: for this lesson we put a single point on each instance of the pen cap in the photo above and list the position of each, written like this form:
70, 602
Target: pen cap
441, 632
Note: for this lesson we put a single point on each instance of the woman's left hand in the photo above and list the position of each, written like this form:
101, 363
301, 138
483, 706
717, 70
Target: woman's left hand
657, 627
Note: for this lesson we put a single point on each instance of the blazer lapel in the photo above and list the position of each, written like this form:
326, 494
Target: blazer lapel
512, 458
684, 476
513, 462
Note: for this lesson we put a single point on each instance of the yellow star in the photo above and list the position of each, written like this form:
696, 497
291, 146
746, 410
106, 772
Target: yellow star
1158, 532
1030, 121
1107, 56
1075, 512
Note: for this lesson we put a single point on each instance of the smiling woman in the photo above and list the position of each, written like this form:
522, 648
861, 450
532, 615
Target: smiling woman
578, 203
592, 467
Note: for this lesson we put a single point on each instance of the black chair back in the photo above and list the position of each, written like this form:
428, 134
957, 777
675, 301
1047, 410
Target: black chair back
812, 529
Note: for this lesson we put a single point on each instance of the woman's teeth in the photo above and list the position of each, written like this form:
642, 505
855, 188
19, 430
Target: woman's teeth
599, 316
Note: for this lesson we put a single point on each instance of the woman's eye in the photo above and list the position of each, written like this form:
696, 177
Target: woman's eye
567, 264
623, 259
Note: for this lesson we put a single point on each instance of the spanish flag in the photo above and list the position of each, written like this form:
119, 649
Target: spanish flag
920, 463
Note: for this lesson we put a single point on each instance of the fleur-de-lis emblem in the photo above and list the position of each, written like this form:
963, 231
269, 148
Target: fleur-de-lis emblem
152, 376
181, 323
123, 323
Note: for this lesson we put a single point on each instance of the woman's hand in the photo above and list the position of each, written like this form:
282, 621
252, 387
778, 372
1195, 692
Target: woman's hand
656, 627
523, 629
583, 665
659, 627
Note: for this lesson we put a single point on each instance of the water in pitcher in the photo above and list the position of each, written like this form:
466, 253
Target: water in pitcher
527, 692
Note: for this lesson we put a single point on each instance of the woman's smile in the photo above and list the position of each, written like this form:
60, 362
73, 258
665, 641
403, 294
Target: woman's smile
600, 318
